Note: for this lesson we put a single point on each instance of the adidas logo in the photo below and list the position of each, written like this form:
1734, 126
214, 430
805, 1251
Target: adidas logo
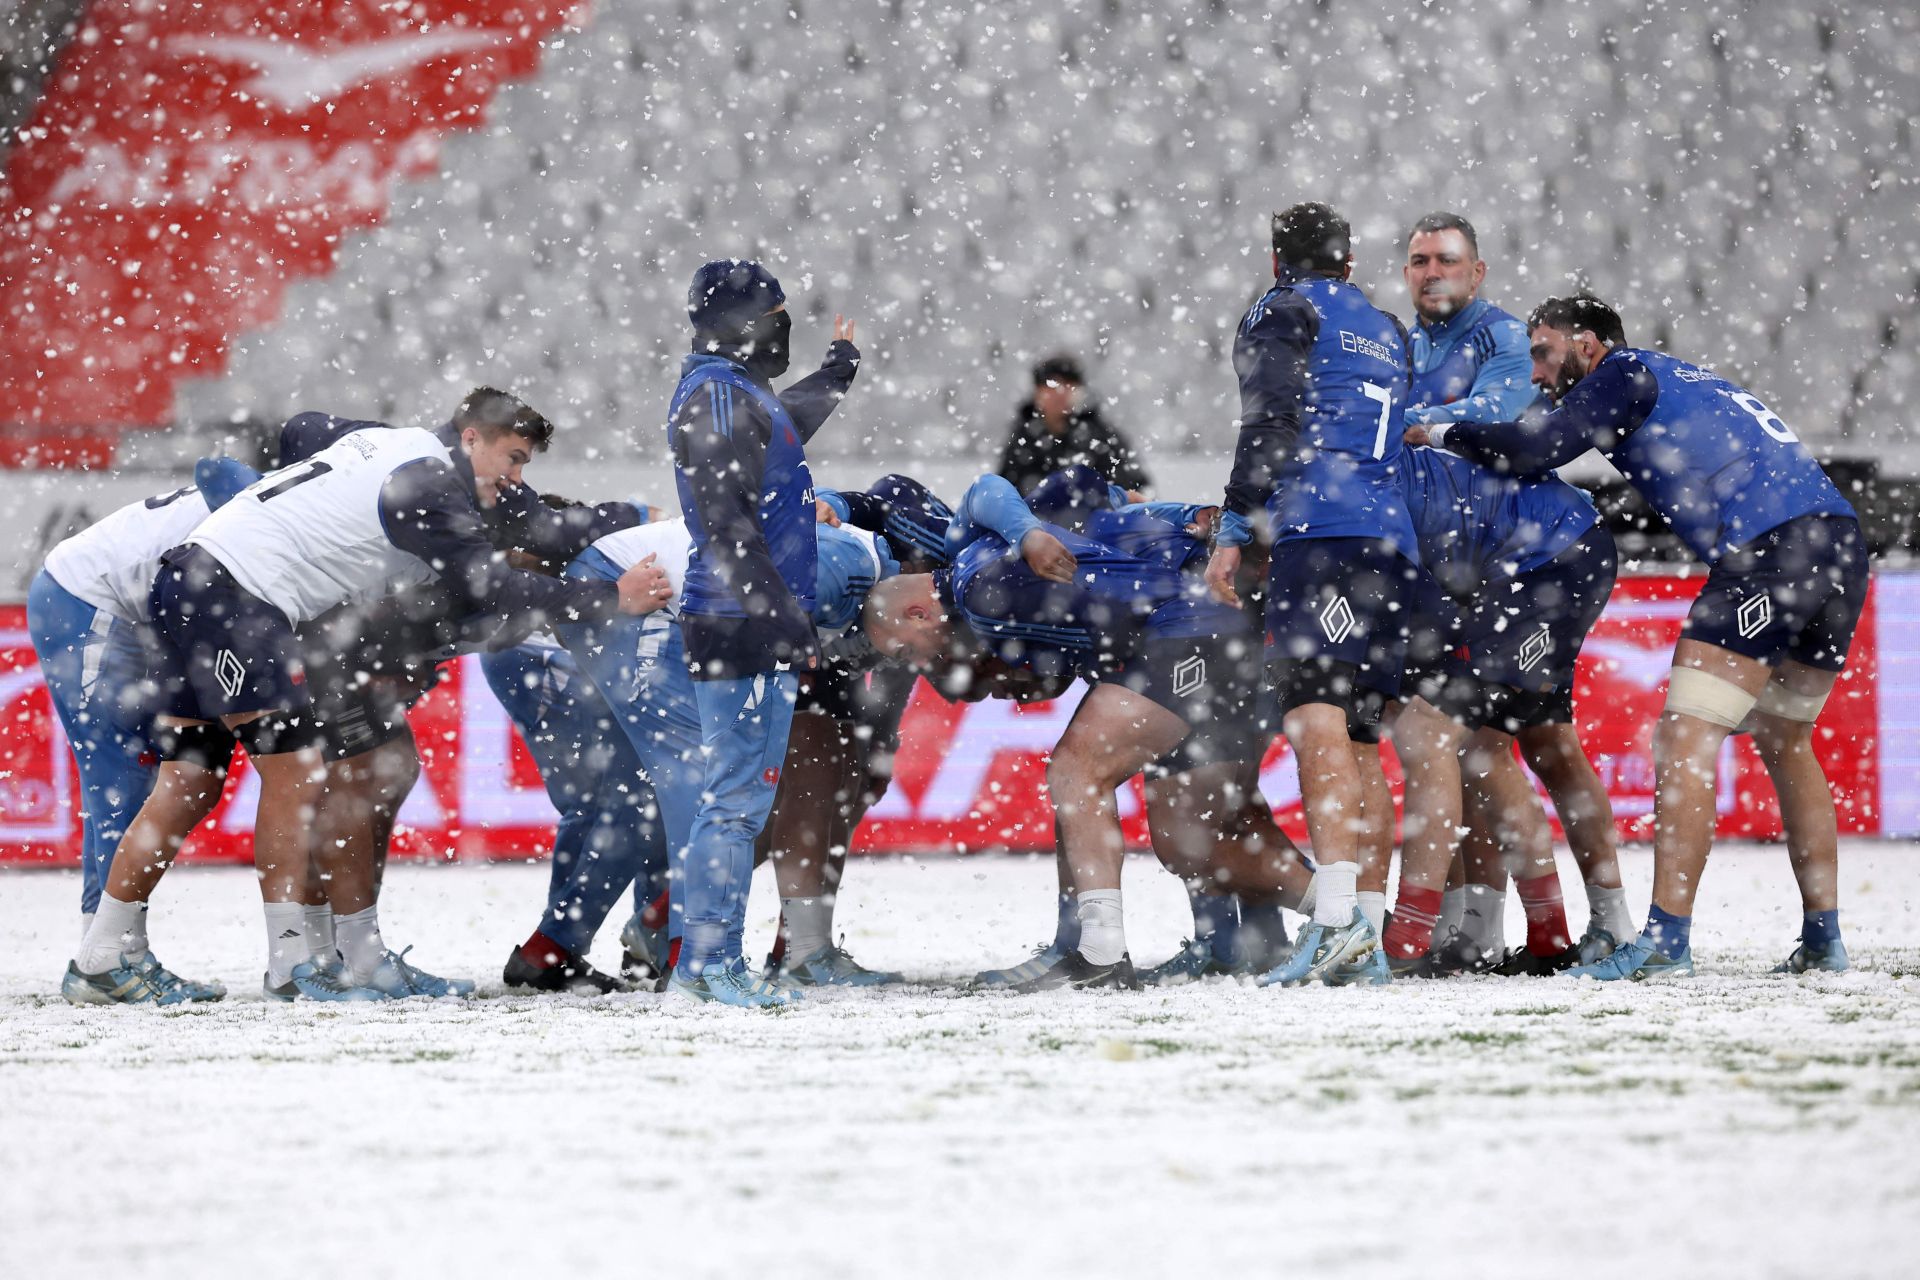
291, 933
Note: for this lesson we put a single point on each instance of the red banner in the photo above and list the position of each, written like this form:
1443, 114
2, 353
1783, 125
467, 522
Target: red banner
967, 776
187, 160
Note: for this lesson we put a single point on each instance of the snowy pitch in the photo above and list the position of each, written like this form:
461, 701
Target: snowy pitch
1740, 1125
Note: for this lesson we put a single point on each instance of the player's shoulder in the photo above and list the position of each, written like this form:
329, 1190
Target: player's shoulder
1282, 311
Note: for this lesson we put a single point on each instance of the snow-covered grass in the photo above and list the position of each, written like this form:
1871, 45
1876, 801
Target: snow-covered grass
1741, 1124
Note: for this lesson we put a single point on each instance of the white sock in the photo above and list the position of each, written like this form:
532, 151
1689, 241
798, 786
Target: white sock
1483, 919
116, 926
1452, 904
360, 945
1336, 901
86, 923
286, 939
318, 926
1607, 909
809, 924
1374, 907
1311, 898
1103, 929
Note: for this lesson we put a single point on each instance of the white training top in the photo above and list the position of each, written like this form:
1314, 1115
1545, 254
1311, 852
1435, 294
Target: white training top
309, 537
112, 563
668, 540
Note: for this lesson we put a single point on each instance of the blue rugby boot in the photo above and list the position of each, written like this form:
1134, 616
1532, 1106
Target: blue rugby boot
1596, 945
831, 966
170, 982
1636, 961
1322, 949
395, 979
1371, 972
1831, 958
1042, 959
1076, 971
317, 981
1197, 958
732, 985
643, 957
125, 983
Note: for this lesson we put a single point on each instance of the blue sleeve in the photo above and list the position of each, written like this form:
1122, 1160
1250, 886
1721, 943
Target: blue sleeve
1270, 355
1069, 495
838, 502
992, 505
523, 520
809, 401
429, 512
219, 479
1502, 385
305, 434
722, 461
1600, 412
1177, 514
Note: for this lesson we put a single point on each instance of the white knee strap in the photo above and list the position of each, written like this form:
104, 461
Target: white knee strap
1692, 692
1778, 700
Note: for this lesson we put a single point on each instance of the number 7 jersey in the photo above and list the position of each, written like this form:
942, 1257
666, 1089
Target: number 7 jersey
1315, 351
312, 536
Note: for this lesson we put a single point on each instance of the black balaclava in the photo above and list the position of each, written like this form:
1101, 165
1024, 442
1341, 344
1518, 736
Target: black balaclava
731, 304
763, 345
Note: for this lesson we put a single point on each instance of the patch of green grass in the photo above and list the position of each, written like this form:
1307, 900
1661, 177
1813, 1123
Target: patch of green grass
1498, 1039
1541, 1011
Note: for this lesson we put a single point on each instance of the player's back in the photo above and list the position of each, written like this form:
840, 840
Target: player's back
311, 537
1714, 460
1151, 531
668, 541
111, 563
1477, 527
1342, 481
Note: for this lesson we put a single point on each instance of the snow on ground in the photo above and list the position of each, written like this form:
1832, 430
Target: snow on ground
1741, 1124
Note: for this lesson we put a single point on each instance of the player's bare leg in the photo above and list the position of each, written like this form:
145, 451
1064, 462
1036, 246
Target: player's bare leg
291, 787
1554, 753
1114, 734
1428, 743
1784, 736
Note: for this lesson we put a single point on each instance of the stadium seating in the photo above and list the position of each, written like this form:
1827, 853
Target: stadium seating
980, 187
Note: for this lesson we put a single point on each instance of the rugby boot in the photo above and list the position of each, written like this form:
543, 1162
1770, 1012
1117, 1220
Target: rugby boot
125, 983
1596, 944
395, 979
170, 982
1459, 956
1076, 971
732, 985
568, 972
643, 954
831, 966
1522, 963
1636, 961
1043, 958
317, 981
1196, 959
1320, 949
1830, 959
1374, 971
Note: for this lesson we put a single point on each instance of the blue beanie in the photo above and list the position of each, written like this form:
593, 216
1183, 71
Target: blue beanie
728, 295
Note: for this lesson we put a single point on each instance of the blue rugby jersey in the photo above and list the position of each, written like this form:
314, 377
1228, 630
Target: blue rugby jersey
1474, 366
1477, 527
1709, 456
1323, 381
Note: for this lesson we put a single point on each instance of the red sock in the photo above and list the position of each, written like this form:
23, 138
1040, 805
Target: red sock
1546, 914
1410, 927
673, 954
655, 916
543, 951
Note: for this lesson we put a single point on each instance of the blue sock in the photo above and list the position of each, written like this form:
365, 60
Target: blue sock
1820, 929
1066, 930
1670, 935
1263, 933
1216, 916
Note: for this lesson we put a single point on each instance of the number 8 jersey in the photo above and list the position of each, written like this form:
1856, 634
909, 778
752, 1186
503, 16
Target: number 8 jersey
1314, 356
313, 536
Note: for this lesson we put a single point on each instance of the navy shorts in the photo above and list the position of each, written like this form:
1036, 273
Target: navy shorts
1793, 592
1339, 612
223, 651
1215, 683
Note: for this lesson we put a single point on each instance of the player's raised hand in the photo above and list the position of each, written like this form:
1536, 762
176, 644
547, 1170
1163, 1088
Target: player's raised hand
1222, 567
1047, 556
842, 329
645, 587
823, 513
1417, 435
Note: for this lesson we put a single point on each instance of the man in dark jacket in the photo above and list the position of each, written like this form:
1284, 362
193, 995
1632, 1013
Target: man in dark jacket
1060, 427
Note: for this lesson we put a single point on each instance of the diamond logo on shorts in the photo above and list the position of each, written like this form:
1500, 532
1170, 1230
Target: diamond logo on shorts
1754, 615
1337, 619
1535, 647
230, 672
1189, 675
